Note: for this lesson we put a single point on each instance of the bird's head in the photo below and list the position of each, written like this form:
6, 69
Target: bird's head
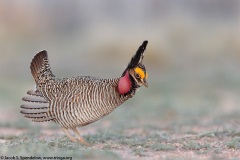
135, 75
139, 75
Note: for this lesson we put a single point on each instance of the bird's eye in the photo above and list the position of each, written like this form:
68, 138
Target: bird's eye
137, 75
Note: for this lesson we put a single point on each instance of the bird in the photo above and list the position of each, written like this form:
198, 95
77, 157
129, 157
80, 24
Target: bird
78, 101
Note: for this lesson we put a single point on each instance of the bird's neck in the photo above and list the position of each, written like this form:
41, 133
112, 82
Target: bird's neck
124, 84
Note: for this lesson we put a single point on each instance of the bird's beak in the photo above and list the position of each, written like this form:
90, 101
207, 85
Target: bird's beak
145, 83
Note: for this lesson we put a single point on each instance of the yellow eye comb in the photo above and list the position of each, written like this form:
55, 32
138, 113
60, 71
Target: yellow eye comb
140, 72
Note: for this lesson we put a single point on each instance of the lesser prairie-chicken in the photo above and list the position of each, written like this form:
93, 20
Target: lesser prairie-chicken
78, 101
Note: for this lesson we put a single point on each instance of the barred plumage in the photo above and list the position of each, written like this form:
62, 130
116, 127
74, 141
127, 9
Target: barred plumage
78, 101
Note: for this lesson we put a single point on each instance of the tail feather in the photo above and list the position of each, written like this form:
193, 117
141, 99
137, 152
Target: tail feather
33, 111
35, 107
40, 66
34, 115
36, 99
34, 93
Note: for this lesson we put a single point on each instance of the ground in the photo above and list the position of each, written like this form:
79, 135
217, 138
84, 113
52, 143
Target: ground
158, 123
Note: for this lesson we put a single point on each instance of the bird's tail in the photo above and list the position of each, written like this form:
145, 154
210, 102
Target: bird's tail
35, 107
40, 67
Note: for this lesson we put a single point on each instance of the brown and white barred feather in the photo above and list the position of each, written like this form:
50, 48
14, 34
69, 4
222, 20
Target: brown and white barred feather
83, 100
35, 107
69, 102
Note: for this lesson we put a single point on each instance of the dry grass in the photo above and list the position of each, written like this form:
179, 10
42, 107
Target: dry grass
160, 127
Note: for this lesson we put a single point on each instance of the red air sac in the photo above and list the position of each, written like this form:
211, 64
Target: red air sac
124, 84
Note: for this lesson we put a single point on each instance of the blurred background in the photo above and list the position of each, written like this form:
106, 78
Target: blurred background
193, 56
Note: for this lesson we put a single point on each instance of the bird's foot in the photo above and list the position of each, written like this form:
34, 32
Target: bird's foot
85, 143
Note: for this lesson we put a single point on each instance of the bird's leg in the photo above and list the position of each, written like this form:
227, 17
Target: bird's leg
80, 138
69, 135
